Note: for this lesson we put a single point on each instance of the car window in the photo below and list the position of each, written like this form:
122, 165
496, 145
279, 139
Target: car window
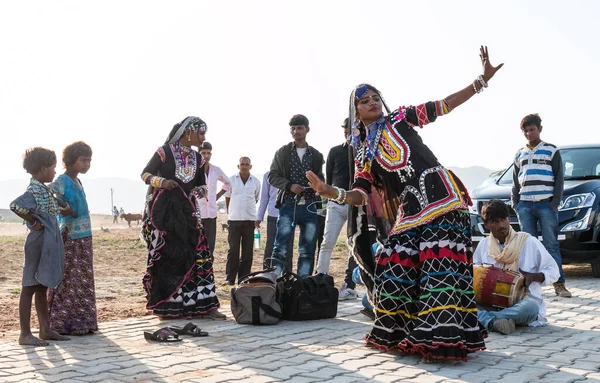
577, 162
506, 178
581, 162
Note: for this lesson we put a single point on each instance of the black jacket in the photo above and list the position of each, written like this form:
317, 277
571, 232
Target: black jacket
279, 174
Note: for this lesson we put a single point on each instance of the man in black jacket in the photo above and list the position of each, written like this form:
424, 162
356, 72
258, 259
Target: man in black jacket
297, 203
339, 172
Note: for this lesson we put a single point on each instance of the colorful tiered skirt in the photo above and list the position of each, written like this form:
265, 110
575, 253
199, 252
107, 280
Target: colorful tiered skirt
423, 291
72, 305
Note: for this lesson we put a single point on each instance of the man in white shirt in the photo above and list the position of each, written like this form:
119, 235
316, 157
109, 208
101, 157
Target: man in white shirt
208, 204
241, 205
516, 251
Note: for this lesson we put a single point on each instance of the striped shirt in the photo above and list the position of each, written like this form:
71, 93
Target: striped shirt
538, 175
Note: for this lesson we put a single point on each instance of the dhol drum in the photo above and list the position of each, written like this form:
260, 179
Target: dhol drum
497, 288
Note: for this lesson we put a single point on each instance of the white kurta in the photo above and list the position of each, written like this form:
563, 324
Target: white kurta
208, 205
533, 258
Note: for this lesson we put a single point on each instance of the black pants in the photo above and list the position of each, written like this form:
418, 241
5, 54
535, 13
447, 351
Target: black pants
239, 232
271, 233
320, 234
349, 269
210, 230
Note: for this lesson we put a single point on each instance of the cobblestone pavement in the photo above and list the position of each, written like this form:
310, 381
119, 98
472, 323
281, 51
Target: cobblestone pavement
567, 350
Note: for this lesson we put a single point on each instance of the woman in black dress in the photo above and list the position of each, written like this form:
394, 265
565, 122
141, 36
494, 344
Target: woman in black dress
420, 280
179, 280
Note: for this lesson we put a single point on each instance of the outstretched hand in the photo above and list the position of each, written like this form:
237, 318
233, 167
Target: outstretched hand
488, 69
320, 187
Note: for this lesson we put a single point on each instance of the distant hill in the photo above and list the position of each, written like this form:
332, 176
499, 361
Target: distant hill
8, 216
472, 176
130, 194
127, 193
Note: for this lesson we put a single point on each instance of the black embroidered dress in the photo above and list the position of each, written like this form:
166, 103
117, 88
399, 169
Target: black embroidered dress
421, 278
179, 280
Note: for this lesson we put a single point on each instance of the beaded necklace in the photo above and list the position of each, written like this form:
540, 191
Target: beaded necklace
185, 162
395, 142
372, 142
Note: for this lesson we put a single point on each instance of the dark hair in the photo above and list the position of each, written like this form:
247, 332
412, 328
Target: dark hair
206, 145
72, 152
37, 158
346, 123
494, 210
531, 119
298, 119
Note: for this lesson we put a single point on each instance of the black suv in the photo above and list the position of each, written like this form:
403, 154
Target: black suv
578, 213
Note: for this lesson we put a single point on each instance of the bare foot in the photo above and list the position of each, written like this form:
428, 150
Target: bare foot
79, 332
52, 335
30, 340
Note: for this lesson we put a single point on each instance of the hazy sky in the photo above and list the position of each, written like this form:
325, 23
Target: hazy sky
120, 74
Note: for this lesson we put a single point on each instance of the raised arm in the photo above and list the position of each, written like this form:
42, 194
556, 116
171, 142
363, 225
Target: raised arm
423, 114
459, 98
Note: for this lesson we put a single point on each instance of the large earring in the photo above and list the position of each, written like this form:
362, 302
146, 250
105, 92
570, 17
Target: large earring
189, 136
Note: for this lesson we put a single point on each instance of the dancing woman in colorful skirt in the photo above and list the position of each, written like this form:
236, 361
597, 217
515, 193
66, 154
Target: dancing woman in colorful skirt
421, 278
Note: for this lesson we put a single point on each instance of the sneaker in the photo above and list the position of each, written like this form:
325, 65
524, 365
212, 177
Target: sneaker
347, 293
215, 315
504, 326
561, 290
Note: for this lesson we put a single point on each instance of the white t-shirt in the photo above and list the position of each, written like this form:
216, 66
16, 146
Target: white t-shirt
301, 152
533, 258
243, 198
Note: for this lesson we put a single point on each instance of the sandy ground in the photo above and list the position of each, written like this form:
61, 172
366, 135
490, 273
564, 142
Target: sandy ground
119, 265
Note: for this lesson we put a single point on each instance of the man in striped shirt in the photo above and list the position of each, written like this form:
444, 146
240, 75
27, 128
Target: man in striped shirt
537, 191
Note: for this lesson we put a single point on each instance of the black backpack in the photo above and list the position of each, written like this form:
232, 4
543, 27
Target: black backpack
307, 298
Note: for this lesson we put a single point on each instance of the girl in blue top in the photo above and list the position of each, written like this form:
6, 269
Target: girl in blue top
73, 304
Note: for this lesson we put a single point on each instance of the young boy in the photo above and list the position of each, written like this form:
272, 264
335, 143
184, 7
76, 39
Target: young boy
43, 248
538, 182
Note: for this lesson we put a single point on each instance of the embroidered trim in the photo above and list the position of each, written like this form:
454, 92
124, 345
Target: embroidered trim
185, 162
422, 115
453, 201
414, 191
162, 154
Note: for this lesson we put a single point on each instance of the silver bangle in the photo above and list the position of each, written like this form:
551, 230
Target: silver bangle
341, 197
482, 81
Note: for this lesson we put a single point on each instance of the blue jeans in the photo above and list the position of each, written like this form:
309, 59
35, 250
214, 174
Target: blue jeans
290, 216
531, 214
523, 313
356, 279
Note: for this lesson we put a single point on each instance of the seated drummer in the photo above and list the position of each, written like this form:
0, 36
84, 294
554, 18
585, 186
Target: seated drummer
516, 251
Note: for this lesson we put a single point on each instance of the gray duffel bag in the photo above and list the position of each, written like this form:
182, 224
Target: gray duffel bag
254, 299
